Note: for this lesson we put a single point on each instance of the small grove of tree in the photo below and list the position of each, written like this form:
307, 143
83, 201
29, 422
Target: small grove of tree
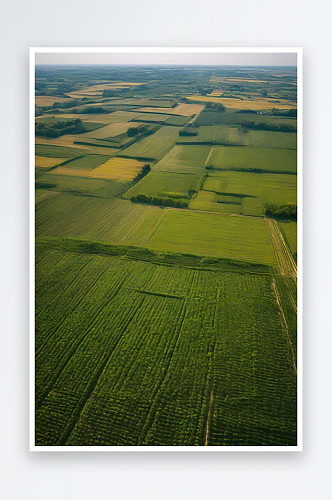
94, 110
145, 170
108, 93
71, 103
56, 129
289, 210
141, 131
281, 127
39, 111
160, 200
188, 130
216, 105
291, 113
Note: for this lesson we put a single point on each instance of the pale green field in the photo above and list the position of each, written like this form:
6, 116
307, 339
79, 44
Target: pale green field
155, 146
231, 237
289, 230
184, 159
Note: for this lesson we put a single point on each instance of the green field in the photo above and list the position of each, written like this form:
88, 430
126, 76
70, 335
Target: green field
208, 117
254, 159
214, 235
269, 188
214, 135
184, 159
154, 146
166, 284
164, 184
150, 379
289, 231
87, 162
58, 151
283, 140
82, 185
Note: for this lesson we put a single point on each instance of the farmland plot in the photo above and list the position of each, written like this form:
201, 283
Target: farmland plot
164, 184
44, 162
180, 110
207, 200
111, 130
112, 380
238, 238
254, 159
184, 159
154, 146
81, 184
116, 117
265, 138
75, 141
115, 169
112, 221
255, 104
215, 135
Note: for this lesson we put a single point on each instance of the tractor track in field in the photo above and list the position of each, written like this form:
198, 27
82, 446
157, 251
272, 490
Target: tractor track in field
286, 263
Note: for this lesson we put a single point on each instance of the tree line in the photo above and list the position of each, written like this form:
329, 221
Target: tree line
56, 129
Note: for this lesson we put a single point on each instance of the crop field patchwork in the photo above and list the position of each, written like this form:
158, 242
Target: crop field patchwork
254, 159
184, 159
214, 235
155, 389
164, 184
111, 130
155, 146
215, 135
115, 169
71, 182
45, 162
116, 117
166, 258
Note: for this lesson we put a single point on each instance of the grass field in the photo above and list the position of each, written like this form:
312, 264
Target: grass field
265, 159
115, 169
85, 163
289, 232
44, 162
153, 117
215, 134
156, 389
208, 117
111, 130
284, 140
81, 185
70, 141
111, 221
269, 188
51, 151
177, 120
207, 200
181, 110
239, 238
184, 159
116, 117
154, 146
256, 104
45, 101
164, 184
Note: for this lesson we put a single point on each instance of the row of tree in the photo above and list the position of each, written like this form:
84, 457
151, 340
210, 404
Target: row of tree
160, 200
58, 128
281, 127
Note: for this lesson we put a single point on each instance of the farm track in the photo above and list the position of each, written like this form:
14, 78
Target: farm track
284, 324
208, 420
286, 263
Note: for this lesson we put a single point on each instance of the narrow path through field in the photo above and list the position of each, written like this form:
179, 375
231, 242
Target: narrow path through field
284, 324
286, 263
206, 439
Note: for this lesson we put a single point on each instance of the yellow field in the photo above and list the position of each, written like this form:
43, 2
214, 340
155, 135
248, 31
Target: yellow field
256, 104
98, 89
111, 130
68, 141
115, 169
224, 79
40, 161
116, 117
181, 109
46, 100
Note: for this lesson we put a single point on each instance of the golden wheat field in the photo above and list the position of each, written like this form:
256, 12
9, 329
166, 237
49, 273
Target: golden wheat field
181, 109
42, 162
115, 169
111, 130
47, 100
116, 117
256, 104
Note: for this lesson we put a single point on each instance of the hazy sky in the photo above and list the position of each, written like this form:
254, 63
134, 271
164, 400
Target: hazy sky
250, 59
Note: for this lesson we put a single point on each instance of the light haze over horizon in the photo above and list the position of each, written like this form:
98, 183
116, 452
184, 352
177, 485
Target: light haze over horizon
165, 59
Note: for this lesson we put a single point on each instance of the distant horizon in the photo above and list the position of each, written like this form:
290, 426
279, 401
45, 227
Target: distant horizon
235, 59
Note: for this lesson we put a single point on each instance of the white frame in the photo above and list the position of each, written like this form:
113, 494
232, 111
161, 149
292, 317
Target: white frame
170, 50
